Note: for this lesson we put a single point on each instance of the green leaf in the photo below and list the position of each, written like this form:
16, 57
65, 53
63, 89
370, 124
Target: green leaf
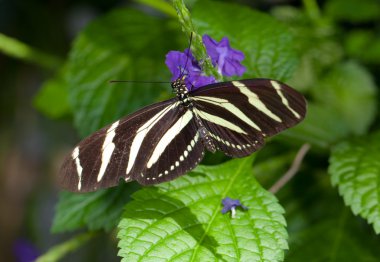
322, 127
52, 98
355, 169
160, 5
353, 11
267, 44
123, 45
182, 221
337, 238
316, 54
95, 210
359, 40
320, 227
347, 88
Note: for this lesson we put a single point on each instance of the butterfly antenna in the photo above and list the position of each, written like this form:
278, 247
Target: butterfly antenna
187, 57
141, 82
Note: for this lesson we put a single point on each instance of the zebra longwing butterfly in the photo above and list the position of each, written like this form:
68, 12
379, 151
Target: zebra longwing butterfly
165, 140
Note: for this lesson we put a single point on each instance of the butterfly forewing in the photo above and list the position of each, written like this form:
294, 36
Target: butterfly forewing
239, 114
229, 133
101, 160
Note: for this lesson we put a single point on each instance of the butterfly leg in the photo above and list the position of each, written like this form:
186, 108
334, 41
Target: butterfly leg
204, 135
206, 139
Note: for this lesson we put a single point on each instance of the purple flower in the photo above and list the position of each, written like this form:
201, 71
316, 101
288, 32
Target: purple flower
25, 251
230, 204
185, 64
224, 57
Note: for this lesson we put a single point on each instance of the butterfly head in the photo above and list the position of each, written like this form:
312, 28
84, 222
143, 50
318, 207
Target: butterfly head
179, 85
180, 89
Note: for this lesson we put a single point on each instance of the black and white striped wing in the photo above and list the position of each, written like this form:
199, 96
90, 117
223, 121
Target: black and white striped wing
138, 147
165, 140
240, 114
172, 148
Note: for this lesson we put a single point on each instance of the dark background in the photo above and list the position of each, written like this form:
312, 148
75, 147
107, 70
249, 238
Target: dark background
32, 146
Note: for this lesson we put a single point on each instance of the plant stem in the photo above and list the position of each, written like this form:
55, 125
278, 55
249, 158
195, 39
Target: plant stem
160, 5
197, 48
57, 252
292, 170
17, 49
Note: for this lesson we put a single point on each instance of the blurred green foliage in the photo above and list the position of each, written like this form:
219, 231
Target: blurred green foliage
330, 52
354, 168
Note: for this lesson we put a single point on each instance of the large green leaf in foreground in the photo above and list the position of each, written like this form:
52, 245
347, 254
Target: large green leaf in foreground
355, 169
182, 221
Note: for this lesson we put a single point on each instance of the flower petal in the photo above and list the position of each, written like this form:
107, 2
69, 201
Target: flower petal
183, 63
229, 204
175, 61
224, 57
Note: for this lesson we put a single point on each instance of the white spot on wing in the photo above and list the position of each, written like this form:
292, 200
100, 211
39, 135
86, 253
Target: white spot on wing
107, 149
185, 154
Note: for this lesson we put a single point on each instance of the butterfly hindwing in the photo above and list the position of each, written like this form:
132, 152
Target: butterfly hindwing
171, 151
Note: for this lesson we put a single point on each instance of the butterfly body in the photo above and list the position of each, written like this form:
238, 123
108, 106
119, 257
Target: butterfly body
165, 140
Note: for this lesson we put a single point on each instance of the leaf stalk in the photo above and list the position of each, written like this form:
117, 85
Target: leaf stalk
197, 49
22, 51
59, 251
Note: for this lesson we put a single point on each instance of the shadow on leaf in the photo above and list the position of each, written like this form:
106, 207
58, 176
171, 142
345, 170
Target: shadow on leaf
159, 208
